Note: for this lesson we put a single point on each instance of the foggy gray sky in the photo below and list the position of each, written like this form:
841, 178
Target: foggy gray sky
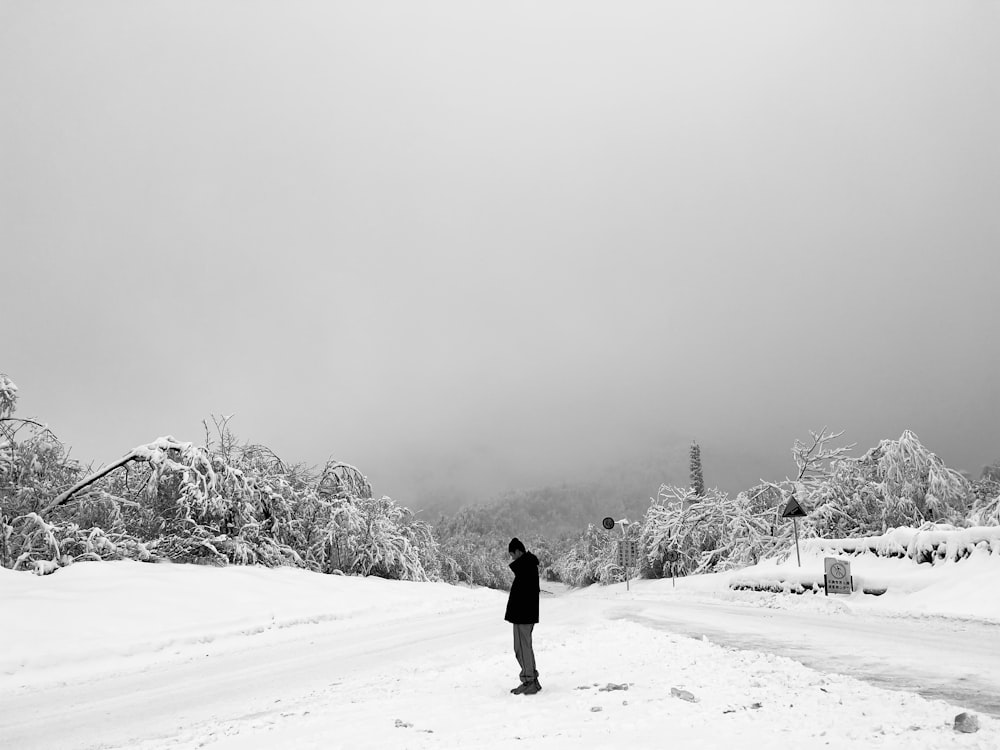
488, 245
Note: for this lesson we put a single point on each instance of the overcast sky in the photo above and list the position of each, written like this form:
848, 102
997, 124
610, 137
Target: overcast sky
485, 245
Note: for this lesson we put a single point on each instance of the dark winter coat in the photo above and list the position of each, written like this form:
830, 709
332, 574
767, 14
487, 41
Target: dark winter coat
522, 604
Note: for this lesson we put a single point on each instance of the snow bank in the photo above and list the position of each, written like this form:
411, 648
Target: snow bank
930, 543
961, 582
99, 612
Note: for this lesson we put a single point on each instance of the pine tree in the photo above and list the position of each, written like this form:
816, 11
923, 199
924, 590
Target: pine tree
697, 480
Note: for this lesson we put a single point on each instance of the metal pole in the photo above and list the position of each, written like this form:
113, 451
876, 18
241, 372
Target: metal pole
625, 555
795, 530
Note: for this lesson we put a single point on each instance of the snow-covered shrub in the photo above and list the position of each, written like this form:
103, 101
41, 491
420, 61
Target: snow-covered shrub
715, 532
381, 538
985, 502
473, 541
593, 558
220, 503
469, 557
34, 466
8, 396
897, 483
340, 480
547, 551
31, 538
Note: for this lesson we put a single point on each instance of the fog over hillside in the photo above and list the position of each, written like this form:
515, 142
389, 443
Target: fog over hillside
632, 478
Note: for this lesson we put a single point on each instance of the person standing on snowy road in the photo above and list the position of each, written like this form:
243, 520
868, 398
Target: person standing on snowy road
522, 613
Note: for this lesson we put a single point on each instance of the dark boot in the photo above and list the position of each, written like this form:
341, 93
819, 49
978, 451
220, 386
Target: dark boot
520, 688
532, 688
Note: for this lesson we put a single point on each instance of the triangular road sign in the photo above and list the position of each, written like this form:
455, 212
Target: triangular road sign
793, 510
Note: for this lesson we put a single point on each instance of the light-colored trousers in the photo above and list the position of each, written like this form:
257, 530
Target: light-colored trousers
525, 653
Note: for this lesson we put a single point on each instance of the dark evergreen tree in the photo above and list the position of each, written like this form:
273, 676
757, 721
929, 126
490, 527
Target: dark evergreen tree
697, 480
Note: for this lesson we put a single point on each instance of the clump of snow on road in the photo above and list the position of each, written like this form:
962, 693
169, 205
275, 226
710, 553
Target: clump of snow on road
83, 630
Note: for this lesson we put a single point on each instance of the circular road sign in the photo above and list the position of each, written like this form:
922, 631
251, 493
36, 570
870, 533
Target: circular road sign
671, 556
838, 570
608, 523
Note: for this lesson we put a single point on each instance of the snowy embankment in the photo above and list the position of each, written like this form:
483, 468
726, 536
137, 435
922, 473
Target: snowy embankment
939, 571
94, 614
136, 655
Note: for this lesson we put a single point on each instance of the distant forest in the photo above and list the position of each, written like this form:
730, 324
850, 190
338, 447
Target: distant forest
224, 501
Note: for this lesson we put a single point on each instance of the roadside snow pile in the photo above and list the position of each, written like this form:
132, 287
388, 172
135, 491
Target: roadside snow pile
101, 613
931, 543
893, 562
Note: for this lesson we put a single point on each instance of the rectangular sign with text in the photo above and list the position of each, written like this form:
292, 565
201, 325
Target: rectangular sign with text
837, 576
628, 553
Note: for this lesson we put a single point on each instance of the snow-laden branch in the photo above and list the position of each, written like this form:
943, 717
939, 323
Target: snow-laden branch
810, 458
152, 452
343, 480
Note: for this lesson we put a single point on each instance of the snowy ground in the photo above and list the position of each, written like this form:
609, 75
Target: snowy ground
131, 655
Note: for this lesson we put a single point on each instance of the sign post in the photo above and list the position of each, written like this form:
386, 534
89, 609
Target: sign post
628, 555
672, 556
794, 511
628, 549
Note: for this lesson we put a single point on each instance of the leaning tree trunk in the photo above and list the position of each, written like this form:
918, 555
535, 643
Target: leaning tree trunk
142, 453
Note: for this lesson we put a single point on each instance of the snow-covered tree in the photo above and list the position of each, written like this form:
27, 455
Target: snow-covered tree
717, 533
34, 466
985, 493
897, 483
8, 396
221, 502
697, 478
985, 497
593, 558
374, 536
813, 459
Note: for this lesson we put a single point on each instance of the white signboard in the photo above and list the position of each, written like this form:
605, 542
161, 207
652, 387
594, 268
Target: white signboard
628, 553
837, 576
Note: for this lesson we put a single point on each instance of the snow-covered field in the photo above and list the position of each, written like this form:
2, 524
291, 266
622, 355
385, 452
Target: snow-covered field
133, 655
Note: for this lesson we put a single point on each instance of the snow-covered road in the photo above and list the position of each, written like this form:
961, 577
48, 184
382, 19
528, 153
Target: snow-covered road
242, 679
125, 655
953, 660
